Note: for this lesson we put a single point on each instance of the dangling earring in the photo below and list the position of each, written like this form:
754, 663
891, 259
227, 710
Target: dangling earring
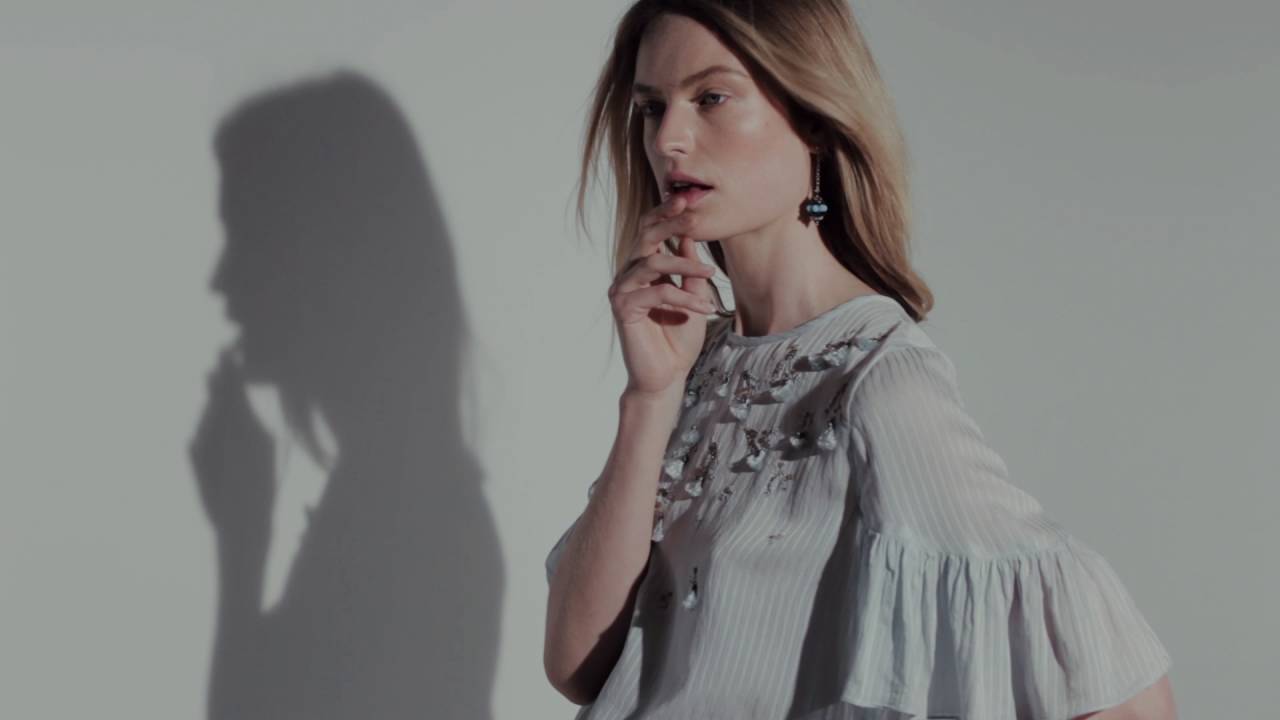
814, 206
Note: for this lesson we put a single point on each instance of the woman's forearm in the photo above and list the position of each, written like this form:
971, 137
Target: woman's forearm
1153, 703
592, 592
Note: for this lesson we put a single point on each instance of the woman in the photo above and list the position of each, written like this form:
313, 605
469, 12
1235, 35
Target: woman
798, 518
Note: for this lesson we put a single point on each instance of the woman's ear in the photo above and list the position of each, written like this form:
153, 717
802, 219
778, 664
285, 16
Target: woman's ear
814, 133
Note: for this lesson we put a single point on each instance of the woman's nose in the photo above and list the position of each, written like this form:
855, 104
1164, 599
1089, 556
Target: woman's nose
675, 133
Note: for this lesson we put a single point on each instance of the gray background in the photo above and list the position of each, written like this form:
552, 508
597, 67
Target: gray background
1096, 196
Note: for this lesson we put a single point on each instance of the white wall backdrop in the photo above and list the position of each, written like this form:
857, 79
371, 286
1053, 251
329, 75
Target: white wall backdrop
1096, 193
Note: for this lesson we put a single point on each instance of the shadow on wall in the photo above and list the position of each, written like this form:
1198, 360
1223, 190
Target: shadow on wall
339, 272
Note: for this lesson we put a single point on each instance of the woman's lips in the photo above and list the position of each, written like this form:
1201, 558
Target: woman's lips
693, 195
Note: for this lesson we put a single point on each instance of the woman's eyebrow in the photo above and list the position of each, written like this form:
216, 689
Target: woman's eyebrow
639, 88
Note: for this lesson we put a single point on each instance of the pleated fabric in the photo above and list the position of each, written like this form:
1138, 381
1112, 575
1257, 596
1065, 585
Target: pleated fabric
834, 539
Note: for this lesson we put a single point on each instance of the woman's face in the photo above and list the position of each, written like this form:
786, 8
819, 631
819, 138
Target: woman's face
720, 128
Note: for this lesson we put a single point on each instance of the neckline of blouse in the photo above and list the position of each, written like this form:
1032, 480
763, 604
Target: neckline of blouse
733, 338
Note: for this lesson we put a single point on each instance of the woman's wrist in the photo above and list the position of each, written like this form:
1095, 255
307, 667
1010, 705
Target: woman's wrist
659, 400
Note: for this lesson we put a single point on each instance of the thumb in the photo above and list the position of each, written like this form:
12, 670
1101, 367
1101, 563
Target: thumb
695, 284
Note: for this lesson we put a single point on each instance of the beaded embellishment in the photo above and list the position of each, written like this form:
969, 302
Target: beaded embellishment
674, 466
836, 352
782, 379
780, 384
758, 443
800, 438
694, 487
778, 480
715, 378
722, 389
691, 599
748, 385
834, 413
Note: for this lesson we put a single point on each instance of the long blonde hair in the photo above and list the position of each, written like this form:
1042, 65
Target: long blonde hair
812, 56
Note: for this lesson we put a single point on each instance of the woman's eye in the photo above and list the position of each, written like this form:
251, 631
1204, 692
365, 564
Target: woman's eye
713, 94
646, 108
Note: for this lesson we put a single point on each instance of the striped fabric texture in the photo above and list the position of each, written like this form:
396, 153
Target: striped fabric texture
833, 538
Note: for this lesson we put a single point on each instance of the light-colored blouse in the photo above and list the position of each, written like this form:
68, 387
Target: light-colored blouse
833, 538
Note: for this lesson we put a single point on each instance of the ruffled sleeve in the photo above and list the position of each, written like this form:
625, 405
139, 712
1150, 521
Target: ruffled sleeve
966, 600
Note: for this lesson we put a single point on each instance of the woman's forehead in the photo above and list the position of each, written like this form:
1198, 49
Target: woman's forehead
673, 50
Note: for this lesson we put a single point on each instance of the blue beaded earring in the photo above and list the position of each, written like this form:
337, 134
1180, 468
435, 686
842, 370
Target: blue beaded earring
814, 206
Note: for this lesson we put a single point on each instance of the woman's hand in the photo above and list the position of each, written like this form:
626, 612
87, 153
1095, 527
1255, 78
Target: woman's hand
662, 325
231, 456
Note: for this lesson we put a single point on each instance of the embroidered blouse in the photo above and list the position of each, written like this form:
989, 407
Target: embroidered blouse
833, 538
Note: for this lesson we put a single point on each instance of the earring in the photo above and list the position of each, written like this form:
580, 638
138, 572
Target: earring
814, 206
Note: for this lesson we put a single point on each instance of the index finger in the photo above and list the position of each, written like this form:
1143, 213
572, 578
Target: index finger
671, 206
648, 241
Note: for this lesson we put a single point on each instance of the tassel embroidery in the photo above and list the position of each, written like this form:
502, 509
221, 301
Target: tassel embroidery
694, 487
778, 480
800, 438
747, 387
715, 377
834, 412
782, 379
659, 531
866, 343
691, 436
662, 519
781, 384
674, 465
722, 388
758, 443
697, 380
720, 496
663, 499
827, 439
693, 391
691, 599
836, 352
691, 395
